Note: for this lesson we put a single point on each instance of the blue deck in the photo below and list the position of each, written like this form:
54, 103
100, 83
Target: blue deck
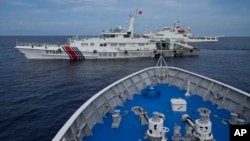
130, 128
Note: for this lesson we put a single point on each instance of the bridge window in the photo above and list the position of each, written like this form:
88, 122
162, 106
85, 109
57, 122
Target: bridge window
122, 44
141, 44
113, 44
84, 44
103, 45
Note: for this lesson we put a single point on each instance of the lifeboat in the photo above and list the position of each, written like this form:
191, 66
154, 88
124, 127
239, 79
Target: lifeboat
181, 30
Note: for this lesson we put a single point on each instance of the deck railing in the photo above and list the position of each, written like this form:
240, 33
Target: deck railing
37, 44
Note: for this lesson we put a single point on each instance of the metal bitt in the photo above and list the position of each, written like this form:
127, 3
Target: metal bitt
177, 134
116, 119
234, 117
236, 120
143, 117
188, 135
240, 121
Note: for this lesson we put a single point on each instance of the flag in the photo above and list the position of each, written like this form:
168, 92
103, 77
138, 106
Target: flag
139, 12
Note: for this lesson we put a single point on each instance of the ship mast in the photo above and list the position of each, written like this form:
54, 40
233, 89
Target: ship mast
131, 25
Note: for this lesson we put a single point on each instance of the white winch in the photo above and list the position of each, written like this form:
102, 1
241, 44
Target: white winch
156, 131
203, 126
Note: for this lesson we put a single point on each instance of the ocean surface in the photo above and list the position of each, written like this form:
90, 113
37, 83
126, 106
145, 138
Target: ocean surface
38, 96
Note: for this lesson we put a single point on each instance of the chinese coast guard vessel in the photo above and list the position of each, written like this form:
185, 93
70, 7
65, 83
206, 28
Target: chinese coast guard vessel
178, 33
115, 43
157, 104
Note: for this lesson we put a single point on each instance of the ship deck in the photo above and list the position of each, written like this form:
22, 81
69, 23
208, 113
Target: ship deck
131, 129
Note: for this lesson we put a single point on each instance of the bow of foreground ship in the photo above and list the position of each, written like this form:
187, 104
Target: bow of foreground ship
157, 104
114, 43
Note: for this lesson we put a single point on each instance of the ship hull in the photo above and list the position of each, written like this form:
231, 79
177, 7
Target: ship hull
41, 53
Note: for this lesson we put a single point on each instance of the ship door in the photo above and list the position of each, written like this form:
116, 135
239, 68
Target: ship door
158, 45
162, 45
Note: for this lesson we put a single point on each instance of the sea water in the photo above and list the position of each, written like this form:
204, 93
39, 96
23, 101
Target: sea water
38, 96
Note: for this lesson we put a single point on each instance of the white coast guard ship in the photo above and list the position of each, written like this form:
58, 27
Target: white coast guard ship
116, 43
178, 33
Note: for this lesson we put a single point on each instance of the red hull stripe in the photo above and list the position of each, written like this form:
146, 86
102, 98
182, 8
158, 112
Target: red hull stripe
79, 53
71, 53
67, 52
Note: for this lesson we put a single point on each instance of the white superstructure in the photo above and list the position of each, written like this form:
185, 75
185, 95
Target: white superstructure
178, 33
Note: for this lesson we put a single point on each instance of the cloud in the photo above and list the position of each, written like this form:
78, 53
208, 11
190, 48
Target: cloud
94, 15
85, 3
19, 3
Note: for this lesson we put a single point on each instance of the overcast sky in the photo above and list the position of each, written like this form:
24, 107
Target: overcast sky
90, 17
